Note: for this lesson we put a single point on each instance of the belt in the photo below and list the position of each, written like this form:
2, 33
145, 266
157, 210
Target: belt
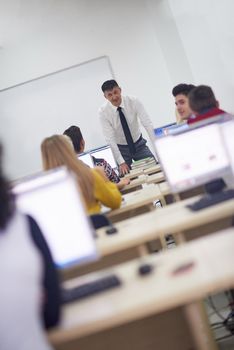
140, 138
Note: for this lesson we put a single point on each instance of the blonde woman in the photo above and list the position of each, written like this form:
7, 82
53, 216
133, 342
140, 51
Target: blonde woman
95, 188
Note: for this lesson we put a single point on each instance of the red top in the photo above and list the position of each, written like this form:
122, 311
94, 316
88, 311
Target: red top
211, 113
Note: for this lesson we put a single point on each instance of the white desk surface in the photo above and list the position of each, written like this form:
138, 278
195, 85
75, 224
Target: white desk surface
139, 297
155, 178
144, 169
137, 199
143, 164
174, 218
135, 183
134, 173
153, 169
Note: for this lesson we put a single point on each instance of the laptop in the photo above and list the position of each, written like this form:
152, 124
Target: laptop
105, 152
86, 158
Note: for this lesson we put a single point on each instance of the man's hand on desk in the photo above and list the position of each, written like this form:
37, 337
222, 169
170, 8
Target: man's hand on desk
123, 169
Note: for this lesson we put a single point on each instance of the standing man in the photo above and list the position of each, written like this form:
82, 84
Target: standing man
120, 122
183, 110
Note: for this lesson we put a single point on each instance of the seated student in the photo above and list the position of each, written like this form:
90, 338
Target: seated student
183, 110
29, 293
203, 103
96, 189
78, 141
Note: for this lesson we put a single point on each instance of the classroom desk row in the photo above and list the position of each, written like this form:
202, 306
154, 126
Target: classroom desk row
160, 310
137, 182
144, 170
137, 202
177, 219
134, 234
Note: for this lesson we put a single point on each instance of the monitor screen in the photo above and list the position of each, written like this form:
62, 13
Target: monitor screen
86, 158
176, 129
193, 158
161, 130
52, 198
227, 130
105, 153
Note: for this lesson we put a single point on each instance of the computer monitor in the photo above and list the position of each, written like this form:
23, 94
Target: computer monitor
87, 159
104, 152
161, 130
193, 158
52, 198
227, 130
176, 129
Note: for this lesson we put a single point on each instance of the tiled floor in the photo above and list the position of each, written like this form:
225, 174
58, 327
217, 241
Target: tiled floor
220, 303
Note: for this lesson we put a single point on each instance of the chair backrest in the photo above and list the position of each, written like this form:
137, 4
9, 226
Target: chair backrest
99, 220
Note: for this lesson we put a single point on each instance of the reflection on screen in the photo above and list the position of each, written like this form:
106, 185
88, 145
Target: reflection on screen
193, 158
54, 201
162, 129
105, 153
176, 129
87, 159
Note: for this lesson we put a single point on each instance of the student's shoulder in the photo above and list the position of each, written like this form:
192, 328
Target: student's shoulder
96, 174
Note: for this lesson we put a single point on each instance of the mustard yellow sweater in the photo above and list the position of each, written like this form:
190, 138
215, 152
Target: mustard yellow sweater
106, 193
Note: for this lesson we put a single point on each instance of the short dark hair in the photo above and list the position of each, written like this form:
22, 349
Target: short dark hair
74, 133
202, 98
109, 85
183, 89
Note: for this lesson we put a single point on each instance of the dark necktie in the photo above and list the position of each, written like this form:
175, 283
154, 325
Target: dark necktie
126, 131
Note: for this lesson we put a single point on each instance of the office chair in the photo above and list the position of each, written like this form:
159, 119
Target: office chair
99, 220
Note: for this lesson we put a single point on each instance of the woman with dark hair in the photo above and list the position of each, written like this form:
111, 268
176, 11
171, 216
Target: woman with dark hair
29, 293
74, 133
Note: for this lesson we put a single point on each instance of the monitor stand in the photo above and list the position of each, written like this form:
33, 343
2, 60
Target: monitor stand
215, 186
215, 194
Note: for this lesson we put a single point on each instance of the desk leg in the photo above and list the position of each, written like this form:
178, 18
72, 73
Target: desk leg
163, 242
142, 250
179, 238
163, 200
199, 326
177, 197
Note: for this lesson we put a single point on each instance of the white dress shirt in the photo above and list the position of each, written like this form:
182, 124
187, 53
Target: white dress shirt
112, 128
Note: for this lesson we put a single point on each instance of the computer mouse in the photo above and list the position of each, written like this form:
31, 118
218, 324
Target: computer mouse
111, 230
145, 269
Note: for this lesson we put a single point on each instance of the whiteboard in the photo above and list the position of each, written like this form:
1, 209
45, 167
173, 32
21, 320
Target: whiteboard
48, 105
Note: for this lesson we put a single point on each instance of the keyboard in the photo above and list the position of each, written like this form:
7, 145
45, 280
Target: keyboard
211, 199
90, 288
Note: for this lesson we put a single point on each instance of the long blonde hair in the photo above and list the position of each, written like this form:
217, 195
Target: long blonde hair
57, 151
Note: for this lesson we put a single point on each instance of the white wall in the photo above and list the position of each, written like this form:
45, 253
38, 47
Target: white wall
50, 35
47, 35
152, 44
206, 29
